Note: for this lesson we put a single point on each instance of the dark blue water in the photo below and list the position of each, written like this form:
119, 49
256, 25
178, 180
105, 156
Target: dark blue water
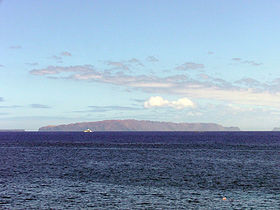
140, 170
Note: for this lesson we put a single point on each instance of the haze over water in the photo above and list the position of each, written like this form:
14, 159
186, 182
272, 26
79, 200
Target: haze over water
140, 170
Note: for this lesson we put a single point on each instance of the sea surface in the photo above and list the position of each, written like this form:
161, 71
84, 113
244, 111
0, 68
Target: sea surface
140, 170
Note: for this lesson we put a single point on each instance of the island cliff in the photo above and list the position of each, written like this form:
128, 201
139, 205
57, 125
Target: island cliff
137, 125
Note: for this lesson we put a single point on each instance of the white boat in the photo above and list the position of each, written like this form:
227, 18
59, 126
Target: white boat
87, 130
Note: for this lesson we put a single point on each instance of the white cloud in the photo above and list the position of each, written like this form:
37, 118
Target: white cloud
157, 101
182, 103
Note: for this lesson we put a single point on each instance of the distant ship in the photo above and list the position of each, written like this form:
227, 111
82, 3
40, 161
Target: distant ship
87, 130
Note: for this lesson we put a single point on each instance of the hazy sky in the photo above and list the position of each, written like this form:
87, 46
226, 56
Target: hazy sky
181, 61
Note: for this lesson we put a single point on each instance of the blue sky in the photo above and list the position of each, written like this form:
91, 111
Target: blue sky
181, 61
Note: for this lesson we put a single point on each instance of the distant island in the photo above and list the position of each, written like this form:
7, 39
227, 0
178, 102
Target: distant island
137, 125
276, 129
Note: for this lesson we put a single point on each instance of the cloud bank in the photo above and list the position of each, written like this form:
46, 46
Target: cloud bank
244, 91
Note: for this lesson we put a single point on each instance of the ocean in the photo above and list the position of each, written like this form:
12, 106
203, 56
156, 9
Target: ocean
140, 170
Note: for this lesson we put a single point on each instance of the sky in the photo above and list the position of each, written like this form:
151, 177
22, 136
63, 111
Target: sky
191, 61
